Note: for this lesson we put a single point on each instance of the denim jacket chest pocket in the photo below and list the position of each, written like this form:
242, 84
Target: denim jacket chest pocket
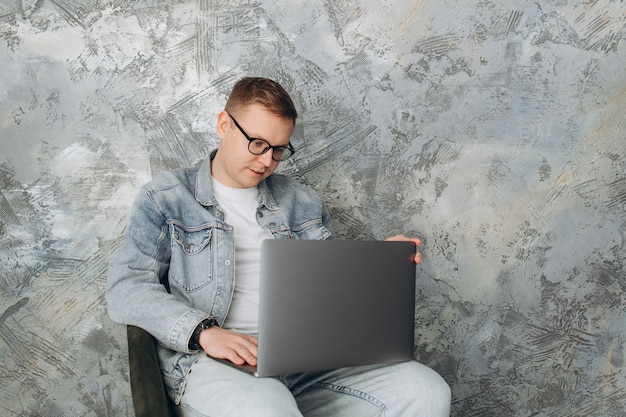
191, 258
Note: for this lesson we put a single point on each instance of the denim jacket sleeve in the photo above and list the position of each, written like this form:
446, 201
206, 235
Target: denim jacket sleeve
136, 289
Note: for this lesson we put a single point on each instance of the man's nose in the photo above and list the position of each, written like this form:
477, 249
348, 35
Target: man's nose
266, 158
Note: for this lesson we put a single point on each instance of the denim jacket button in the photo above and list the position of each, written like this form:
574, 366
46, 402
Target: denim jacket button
227, 262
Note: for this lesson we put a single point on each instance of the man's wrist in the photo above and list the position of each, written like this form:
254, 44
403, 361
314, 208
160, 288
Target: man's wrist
194, 341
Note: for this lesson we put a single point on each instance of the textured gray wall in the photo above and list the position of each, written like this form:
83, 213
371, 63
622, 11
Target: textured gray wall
494, 129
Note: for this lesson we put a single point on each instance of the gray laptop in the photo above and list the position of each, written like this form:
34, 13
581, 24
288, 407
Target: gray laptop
327, 304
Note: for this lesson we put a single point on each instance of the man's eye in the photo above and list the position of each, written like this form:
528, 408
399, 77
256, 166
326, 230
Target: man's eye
259, 144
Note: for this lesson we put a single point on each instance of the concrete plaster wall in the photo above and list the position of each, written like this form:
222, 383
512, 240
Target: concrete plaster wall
493, 129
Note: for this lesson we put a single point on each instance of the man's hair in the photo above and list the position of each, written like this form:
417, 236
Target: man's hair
263, 91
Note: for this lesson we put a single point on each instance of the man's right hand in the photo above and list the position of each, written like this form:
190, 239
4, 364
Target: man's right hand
239, 348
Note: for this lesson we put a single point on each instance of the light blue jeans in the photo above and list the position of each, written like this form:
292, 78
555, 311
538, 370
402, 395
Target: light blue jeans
407, 389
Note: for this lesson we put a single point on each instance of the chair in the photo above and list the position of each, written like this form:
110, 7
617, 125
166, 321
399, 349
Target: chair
149, 396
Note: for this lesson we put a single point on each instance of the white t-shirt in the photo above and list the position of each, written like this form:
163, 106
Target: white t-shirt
240, 207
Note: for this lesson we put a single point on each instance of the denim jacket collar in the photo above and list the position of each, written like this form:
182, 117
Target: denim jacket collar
204, 188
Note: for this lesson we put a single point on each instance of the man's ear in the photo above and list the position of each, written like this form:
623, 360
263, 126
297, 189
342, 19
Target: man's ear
223, 123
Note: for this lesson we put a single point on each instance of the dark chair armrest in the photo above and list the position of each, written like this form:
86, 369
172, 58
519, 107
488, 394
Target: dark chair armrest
149, 396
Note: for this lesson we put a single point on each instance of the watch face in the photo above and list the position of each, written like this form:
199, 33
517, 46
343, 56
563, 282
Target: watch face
208, 323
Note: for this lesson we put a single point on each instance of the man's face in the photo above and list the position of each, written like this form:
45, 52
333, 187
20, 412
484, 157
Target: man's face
234, 165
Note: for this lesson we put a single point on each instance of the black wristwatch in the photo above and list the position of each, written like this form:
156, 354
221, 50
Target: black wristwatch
194, 342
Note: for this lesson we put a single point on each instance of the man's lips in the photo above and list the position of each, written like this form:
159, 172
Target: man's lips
257, 173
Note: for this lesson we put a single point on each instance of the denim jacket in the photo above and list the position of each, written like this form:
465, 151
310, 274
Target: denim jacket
176, 268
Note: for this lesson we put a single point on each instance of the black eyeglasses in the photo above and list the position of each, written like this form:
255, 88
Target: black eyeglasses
260, 146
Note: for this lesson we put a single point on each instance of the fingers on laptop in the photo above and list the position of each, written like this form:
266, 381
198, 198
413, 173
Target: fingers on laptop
238, 348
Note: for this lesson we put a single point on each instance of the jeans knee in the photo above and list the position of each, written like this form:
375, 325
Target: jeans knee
436, 396
423, 392
441, 396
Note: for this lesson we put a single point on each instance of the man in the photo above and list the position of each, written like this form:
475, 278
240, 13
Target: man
188, 273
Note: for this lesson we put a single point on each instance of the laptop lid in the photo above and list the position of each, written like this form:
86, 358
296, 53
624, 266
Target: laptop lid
327, 304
